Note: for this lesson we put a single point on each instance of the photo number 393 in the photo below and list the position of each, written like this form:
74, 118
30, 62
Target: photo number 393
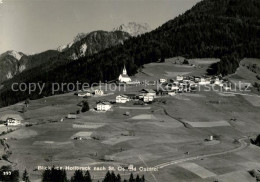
7, 173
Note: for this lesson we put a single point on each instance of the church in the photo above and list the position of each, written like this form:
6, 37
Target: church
124, 77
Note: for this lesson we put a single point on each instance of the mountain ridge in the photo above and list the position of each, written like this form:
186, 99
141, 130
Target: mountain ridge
220, 29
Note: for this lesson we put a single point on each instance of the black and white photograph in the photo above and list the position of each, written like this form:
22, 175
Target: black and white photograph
129, 91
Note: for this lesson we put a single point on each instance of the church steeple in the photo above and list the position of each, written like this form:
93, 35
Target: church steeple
124, 71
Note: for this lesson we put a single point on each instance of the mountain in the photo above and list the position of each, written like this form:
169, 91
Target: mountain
10, 64
134, 29
13, 63
212, 28
93, 42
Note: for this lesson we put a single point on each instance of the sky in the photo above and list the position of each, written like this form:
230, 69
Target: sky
33, 26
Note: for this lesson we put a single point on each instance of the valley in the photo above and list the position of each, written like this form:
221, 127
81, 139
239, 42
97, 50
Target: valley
166, 140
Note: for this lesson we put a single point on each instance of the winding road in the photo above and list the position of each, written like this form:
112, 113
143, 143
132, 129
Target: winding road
242, 146
242, 142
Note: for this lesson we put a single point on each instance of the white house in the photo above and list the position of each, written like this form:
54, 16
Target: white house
174, 87
12, 122
171, 93
72, 116
218, 82
136, 82
148, 98
147, 92
226, 87
99, 92
179, 78
122, 99
162, 80
83, 94
124, 77
204, 81
103, 106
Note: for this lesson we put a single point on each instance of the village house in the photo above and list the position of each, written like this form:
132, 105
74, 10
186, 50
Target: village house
171, 87
86, 93
179, 78
147, 92
197, 79
103, 106
122, 99
171, 93
136, 82
175, 87
218, 82
204, 81
227, 87
148, 98
99, 92
124, 77
72, 116
150, 83
162, 80
12, 122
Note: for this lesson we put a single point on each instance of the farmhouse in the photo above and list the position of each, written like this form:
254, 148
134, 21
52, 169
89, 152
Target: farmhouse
99, 92
179, 78
171, 93
150, 83
162, 80
12, 122
171, 87
136, 82
147, 92
103, 106
204, 81
226, 87
83, 94
72, 116
124, 77
148, 98
122, 99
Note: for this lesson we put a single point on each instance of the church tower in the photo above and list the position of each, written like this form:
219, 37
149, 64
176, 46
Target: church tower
124, 71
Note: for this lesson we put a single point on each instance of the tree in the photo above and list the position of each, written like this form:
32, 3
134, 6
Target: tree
118, 178
27, 102
78, 176
24, 109
131, 179
137, 179
143, 179
85, 107
185, 61
54, 175
25, 177
87, 177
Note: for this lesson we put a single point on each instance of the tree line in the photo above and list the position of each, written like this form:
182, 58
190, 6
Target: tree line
58, 175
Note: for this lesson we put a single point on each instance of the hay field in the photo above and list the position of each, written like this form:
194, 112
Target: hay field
198, 170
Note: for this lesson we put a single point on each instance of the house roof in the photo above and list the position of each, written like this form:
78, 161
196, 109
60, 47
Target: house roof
123, 96
10, 118
104, 103
148, 90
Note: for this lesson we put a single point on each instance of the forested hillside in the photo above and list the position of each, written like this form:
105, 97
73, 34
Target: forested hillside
212, 28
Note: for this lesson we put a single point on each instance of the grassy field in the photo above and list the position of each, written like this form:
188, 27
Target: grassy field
150, 135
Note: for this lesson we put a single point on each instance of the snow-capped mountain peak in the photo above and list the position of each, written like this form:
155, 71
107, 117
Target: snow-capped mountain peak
64, 47
134, 29
15, 54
